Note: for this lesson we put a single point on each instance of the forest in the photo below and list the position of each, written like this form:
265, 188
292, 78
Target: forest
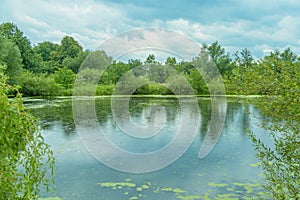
49, 69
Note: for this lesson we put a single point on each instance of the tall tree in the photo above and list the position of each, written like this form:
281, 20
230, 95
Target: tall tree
10, 57
246, 58
150, 59
45, 49
75, 63
68, 47
171, 61
219, 56
12, 32
134, 63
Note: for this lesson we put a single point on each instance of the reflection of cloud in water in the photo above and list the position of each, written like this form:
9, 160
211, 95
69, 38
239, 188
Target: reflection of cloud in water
218, 116
145, 124
103, 147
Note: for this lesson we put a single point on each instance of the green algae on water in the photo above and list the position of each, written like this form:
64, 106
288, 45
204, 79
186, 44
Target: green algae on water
118, 185
213, 184
50, 198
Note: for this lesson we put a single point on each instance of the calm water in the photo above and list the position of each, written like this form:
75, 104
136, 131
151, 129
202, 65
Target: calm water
228, 170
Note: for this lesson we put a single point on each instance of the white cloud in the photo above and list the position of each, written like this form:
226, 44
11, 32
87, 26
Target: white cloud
88, 21
194, 30
94, 22
150, 40
288, 29
34, 22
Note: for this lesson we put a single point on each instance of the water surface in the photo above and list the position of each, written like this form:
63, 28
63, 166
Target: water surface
229, 169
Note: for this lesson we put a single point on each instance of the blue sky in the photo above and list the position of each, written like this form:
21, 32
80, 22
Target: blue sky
260, 25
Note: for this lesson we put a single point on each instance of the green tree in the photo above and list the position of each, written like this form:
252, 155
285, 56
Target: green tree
184, 67
12, 32
171, 61
68, 47
75, 63
35, 84
88, 76
65, 77
197, 82
134, 63
115, 71
44, 49
97, 60
219, 56
276, 76
42, 52
150, 59
24, 156
244, 58
11, 58
158, 73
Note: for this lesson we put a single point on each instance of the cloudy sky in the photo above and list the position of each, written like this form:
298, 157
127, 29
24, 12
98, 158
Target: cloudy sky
260, 25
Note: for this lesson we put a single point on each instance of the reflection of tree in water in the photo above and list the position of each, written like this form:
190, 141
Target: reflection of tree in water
138, 104
237, 114
53, 111
145, 111
205, 109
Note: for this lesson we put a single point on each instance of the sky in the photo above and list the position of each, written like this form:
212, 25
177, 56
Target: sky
259, 25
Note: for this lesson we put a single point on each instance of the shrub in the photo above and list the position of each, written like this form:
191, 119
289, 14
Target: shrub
38, 85
24, 157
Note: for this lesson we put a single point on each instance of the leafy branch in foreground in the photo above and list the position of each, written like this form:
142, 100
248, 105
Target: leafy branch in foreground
26, 161
277, 78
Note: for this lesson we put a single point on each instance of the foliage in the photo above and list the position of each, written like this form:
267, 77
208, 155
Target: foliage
104, 89
11, 58
12, 32
244, 58
92, 89
75, 63
150, 59
24, 156
219, 56
97, 60
38, 84
88, 76
197, 82
45, 49
69, 47
153, 89
65, 77
276, 76
171, 61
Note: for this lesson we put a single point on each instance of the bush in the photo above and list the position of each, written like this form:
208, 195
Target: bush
153, 89
104, 89
38, 85
24, 157
65, 77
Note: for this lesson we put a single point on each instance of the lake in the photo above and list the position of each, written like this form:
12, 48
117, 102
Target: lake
228, 171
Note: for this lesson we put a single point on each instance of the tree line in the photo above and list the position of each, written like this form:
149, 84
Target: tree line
50, 69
